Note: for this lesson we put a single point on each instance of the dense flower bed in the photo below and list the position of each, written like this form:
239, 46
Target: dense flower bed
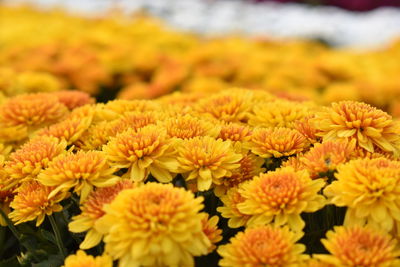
235, 178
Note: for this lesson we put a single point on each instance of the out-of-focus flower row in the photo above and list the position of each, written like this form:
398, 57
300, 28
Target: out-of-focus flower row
140, 58
239, 177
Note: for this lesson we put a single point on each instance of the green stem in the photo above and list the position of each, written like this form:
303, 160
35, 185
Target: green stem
57, 234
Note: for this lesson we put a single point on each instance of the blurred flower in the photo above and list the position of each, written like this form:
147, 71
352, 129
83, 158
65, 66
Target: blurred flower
164, 225
230, 209
277, 142
73, 99
27, 162
33, 202
210, 229
371, 127
81, 171
306, 128
145, 151
263, 246
92, 210
280, 197
113, 109
360, 246
207, 160
81, 259
34, 82
370, 189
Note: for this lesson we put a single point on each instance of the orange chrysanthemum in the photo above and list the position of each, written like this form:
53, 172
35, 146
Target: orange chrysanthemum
114, 109
81, 259
230, 210
277, 142
210, 229
207, 160
280, 197
74, 99
307, 128
92, 210
33, 202
154, 225
187, 126
26, 163
145, 151
32, 110
279, 113
263, 246
327, 156
360, 246
98, 135
370, 127
235, 132
370, 189
137, 120
81, 171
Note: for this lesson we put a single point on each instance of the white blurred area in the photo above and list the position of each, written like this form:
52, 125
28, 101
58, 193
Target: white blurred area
336, 26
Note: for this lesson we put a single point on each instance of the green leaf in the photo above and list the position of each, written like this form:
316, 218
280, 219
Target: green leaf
48, 236
53, 260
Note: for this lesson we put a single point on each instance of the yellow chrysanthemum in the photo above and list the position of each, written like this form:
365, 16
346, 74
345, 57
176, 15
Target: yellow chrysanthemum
136, 120
32, 110
327, 156
81, 259
4, 151
277, 142
13, 133
114, 109
81, 171
154, 225
145, 151
235, 132
307, 128
360, 247
92, 210
6, 196
230, 210
188, 126
34, 82
207, 160
210, 229
33, 202
74, 99
371, 127
279, 113
26, 163
280, 197
263, 246
370, 189
97, 135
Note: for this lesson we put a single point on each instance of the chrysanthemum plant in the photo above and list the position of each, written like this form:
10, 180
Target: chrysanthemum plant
218, 180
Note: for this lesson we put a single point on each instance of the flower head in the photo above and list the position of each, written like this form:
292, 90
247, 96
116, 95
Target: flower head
74, 99
164, 225
81, 259
207, 160
277, 142
370, 189
263, 246
145, 151
210, 229
33, 202
307, 128
92, 210
81, 171
34, 156
281, 196
235, 132
370, 127
230, 209
360, 246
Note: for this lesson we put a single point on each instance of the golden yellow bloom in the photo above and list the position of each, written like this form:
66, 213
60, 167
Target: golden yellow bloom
81, 171
26, 163
13, 133
33, 202
327, 156
92, 210
98, 135
280, 197
6, 196
34, 82
210, 229
277, 142
307, 128
81, 259
74, 99
225, 106
188, 126
4, 151
360, 246
145, 151
230, 210
207, 160
32, 110
235, 132
295, 163
136, 120
154, 225
371, 127
263, 246
114, 109
279, 113
370, 189
250, 166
